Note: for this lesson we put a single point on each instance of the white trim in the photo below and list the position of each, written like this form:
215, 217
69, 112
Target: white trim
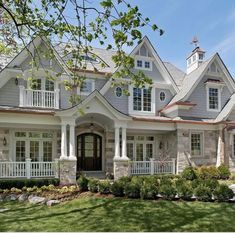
141, 112
202, 143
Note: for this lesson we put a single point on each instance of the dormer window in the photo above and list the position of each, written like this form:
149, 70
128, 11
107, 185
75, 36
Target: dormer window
143, 63
214, 96
87, 87
139, 63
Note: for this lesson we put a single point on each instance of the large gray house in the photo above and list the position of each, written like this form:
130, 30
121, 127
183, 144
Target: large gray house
185, 118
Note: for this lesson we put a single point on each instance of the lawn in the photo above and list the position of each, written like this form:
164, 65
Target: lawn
116, 214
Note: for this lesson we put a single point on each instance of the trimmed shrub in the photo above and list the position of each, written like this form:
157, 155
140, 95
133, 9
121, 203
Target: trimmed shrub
223, 193
211, 184
20, 183
168, 191
149, 188
104, 187
132, 188
82, 183
117, 188
210, 172
184, 189
224, 172
189, 173
203, 193
93, 185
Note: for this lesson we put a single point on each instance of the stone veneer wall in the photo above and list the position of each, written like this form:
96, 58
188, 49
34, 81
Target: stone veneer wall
4, 150
184, 157
109, 151
229, 158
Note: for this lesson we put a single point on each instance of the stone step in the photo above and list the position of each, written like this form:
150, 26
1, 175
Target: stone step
94, 174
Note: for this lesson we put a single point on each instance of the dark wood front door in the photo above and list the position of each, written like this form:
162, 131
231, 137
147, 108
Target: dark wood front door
89, 151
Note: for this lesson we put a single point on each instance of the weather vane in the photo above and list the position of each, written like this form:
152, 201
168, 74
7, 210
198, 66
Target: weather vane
195, 41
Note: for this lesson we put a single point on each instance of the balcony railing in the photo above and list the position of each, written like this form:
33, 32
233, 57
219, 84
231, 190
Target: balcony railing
39, 98
28, 169
152, 167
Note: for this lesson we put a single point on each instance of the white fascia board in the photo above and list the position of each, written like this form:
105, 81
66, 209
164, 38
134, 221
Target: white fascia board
145, 125
28, 119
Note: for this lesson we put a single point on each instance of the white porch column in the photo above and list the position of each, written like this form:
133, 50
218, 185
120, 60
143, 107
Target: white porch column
72, 142
124, 155
117, 143
63, 142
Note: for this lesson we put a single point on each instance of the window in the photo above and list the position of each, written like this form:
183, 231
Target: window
87, 87
162, 95
194, 57
147, 64
213, 98
118, 91
139, 63
200, 56
38, 144
196, 144
42, 84
140, 148
143, 64
142, 99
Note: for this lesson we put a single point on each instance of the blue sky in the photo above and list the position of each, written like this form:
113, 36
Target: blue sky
212, 21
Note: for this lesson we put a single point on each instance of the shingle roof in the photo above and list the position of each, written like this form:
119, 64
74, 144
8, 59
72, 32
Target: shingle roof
190, 80
177, 74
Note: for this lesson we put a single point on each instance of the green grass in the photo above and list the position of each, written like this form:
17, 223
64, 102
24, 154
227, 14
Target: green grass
114, 214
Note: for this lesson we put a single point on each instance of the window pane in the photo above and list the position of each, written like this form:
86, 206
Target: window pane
34, 151
118, 91
147, 99
196, 144
150, 138
149, 151
130, 138
49, 85
213, 98
47, 151
137, 99
139, 63
139, 152
47, 135
86, 86
147, 64
140, 138
20, 134
34, 135
130, 150
36, 84
20, 151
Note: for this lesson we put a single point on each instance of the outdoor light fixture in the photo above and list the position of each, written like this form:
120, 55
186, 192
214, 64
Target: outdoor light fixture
16, 81
4, 141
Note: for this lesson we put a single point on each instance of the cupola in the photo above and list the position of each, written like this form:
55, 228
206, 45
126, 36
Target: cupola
196, 57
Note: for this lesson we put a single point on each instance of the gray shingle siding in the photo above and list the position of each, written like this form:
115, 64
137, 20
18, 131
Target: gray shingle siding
120, 103
199, 96
158, 103
64, 97
99, 83
9, 94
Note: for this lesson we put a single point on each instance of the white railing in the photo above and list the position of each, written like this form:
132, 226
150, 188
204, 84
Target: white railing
153, 167
28, 169
39, 98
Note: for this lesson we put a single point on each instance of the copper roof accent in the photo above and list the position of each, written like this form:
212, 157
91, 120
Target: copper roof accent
210, 80
26, 110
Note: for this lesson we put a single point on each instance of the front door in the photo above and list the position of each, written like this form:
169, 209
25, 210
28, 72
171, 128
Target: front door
89, 152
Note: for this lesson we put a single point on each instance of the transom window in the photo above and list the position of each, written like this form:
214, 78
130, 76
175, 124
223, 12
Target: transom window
142, 99
196, 144
213, 94
38, 145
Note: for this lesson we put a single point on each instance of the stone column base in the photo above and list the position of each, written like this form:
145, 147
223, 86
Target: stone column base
121, 168
68, 171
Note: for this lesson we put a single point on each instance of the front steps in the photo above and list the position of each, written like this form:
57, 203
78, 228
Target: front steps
95, 174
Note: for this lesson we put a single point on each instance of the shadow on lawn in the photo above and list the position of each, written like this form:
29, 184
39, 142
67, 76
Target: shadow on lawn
117, 214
